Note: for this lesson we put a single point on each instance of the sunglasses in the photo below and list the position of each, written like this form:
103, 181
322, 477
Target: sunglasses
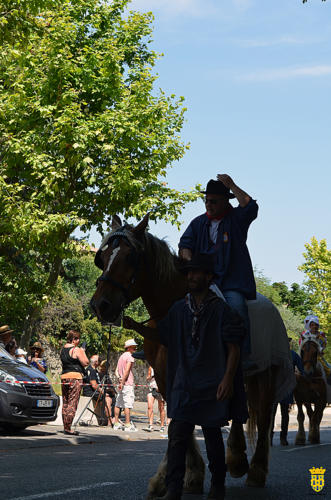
211, 201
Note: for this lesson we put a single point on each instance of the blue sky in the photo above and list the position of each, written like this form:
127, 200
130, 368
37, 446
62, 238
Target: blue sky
256, 79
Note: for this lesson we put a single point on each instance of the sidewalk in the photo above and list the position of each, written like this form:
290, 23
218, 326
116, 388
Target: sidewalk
51, 434
139, 408
47, 435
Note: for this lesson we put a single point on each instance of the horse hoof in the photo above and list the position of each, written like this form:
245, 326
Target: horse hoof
193, 490
256, 477
238, 469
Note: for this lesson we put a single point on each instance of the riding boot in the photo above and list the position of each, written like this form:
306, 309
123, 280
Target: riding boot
216, 492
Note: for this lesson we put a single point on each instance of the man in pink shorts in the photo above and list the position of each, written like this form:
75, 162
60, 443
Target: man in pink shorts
125, 395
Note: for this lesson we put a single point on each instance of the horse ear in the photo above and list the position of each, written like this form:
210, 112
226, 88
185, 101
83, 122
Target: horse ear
140, 229
116, 222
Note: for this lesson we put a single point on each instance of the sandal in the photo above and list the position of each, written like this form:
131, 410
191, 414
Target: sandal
71, 433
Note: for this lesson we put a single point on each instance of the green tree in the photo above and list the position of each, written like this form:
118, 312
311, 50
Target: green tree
18, 18
84, 135
297, 298
79, 275
69, 309
264, 286
293, 324
317, 269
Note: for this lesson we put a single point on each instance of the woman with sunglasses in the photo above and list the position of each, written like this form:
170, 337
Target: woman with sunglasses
35, 359
74, 360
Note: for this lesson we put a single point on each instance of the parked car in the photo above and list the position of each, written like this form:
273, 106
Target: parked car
24, 402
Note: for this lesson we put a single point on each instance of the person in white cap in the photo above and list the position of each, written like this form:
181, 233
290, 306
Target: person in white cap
125, 395
20, 355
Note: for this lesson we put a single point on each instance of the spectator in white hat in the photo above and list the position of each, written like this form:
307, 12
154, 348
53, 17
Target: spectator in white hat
20, 355
125, 395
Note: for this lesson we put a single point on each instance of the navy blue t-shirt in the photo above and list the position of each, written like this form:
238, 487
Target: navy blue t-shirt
194, 370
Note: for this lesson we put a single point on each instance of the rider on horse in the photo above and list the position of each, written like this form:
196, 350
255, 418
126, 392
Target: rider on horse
221, 232
312, 331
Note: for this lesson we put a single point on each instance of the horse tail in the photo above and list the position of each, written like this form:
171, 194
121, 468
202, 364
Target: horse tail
251, 427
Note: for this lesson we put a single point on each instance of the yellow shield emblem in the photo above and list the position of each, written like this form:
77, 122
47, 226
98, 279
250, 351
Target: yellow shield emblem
317, 478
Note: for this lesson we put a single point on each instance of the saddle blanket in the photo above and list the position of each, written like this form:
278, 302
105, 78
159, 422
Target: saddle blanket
270, 345
328, 386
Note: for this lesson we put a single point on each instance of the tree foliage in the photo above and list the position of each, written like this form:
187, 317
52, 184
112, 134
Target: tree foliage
296, 298
69, 309
264, 286
317, 269
83, 135
280, 295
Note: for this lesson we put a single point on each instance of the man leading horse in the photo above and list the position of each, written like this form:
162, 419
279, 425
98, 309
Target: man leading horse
203, 336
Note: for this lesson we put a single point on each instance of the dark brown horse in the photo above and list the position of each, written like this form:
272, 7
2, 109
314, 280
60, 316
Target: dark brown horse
310, 390
137, 264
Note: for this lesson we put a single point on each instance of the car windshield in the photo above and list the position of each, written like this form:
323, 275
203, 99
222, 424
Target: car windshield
4, 353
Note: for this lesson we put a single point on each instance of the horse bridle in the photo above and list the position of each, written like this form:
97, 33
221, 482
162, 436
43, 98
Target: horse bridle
120, 234
309, 342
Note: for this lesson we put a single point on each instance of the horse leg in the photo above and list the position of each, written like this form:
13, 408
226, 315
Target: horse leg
263, 410
157, 485
258, 468
311, 417
195, 469
300, 438
314, 427
194, 474
236, 458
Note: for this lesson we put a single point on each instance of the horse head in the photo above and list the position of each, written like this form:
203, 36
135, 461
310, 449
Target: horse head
309, 351
120, 259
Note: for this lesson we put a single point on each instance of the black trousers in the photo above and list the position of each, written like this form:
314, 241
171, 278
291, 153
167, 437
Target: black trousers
284, 409
179, 435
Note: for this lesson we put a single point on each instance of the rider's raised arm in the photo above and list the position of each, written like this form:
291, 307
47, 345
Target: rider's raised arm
242, 197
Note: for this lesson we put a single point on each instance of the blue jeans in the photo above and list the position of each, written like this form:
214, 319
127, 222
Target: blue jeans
237, 301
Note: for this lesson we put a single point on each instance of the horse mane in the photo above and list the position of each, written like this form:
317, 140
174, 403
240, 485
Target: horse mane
162, 262
166, 262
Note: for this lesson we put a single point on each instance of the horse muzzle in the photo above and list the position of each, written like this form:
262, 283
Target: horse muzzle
106, 311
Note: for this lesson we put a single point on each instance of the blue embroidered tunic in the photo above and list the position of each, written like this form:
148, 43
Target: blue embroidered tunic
196, 368
233, 266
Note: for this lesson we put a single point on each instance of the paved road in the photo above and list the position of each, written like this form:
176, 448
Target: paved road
103, 464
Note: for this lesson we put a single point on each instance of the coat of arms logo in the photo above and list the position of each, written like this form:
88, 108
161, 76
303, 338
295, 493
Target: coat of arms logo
317, 478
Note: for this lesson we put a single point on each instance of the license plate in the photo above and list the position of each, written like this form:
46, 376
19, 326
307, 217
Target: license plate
44, 403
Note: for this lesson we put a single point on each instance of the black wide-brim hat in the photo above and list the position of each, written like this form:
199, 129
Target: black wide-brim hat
203, 262
217, 187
